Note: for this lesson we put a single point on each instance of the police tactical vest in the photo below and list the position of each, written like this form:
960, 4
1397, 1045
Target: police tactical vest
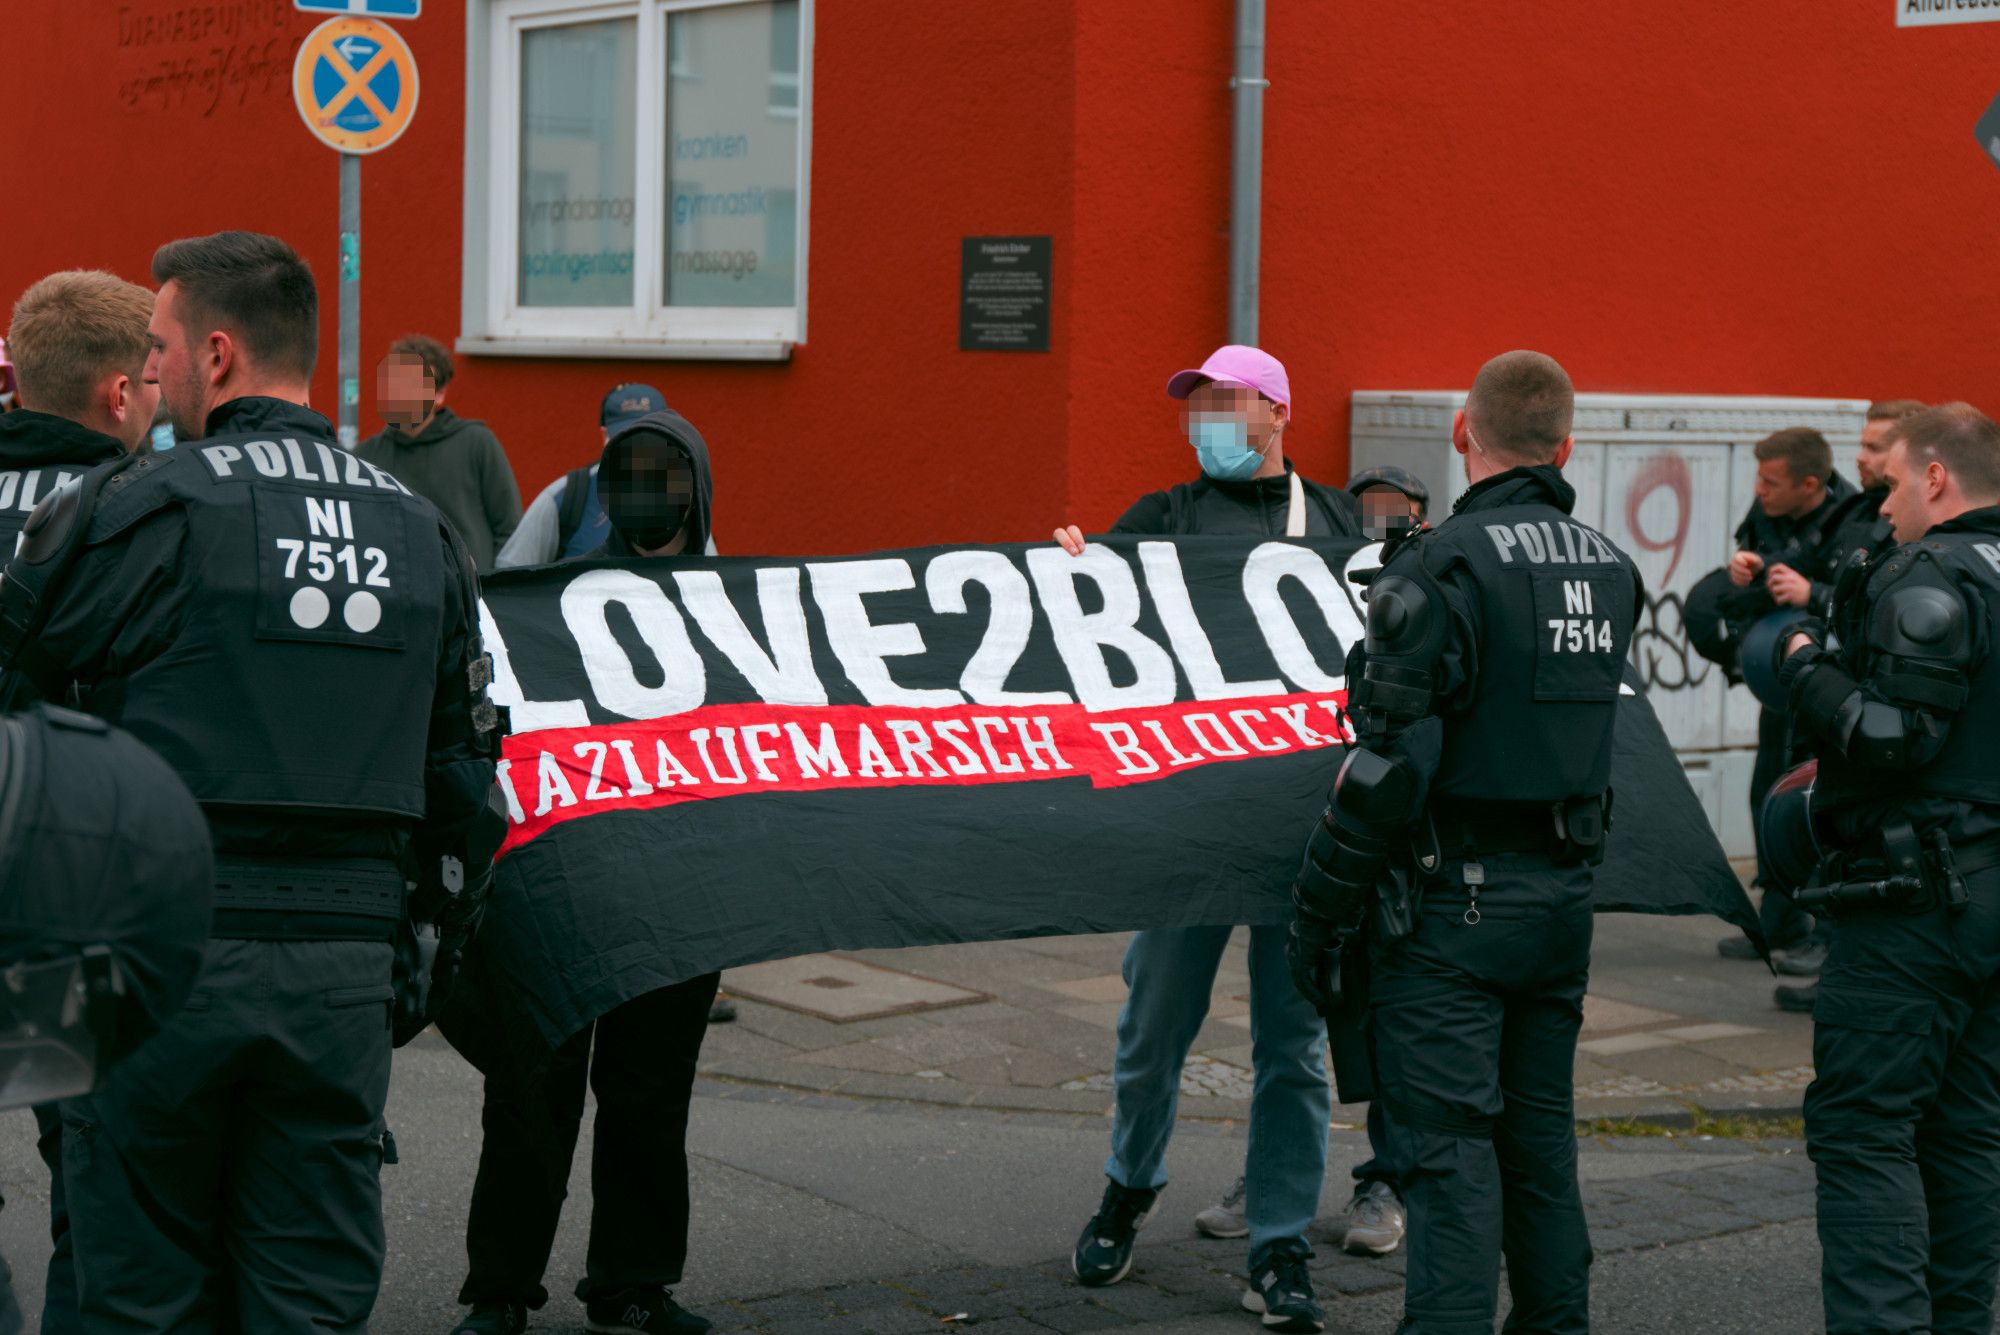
21, 490
39, 453
1556, 604
1859, 532
304, 667
1967, 769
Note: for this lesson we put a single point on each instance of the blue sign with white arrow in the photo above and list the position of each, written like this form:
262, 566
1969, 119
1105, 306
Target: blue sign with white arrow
374, 9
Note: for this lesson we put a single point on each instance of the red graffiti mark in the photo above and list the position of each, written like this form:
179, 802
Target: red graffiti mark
1669, 471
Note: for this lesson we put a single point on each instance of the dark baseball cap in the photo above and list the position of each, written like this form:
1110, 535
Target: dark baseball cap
629, 403
1388, 475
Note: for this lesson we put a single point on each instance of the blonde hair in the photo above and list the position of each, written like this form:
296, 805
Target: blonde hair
71, 330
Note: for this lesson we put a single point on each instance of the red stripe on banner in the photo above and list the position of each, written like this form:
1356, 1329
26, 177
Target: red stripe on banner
717, 751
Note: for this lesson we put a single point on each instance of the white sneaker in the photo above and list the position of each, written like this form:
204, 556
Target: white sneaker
1225, 1218
1375, 1221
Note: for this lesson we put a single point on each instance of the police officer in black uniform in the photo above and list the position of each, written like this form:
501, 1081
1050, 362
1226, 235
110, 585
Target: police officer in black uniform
1782, 552
1483, 700
1901, 698
1855, 531
296, 635
1855, 527
79, 340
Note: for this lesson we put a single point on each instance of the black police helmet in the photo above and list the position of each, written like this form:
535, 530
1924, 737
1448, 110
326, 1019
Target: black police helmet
1785, 829
1707, 622
106, 877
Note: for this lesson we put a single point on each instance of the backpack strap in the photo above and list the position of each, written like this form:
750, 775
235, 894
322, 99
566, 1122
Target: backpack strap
575, 501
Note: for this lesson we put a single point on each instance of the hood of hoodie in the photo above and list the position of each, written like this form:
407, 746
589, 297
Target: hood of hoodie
30, 439
681, 432
446, 424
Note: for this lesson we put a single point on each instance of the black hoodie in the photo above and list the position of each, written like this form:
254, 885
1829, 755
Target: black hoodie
681, 432
1257, 507
38, 453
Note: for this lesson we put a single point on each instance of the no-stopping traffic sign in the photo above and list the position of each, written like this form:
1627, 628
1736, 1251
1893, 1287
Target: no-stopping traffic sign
355, 83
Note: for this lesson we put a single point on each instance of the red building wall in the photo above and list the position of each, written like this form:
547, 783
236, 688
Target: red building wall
1703, 198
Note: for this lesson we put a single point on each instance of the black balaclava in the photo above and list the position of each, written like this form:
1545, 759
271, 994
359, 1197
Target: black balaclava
648, 484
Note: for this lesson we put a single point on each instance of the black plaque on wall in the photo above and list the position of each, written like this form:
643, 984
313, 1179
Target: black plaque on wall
1004, 294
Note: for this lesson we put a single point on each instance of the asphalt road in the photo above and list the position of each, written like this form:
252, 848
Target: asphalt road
796, 1194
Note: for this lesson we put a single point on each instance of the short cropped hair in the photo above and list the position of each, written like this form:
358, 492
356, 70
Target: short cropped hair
1963, 439
1804, 450
1894, 410
252, 285
433, 354
71, 330
1521, 406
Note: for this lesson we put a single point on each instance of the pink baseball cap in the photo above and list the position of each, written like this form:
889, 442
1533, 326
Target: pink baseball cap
1237, 364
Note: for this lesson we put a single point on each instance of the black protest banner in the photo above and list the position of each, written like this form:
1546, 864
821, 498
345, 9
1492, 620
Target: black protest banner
721, 761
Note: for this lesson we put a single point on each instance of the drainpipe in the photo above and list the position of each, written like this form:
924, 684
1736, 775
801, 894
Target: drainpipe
1246, 170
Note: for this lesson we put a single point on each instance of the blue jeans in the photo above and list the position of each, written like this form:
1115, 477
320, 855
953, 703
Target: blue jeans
1168, 978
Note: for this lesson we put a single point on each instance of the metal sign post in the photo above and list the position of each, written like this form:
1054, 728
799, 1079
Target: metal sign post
355, 83
350, 300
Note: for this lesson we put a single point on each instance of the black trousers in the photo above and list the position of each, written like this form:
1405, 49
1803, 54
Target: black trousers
1475, 1048
59, 1310
642, 1072
1903, 1121
227, 1176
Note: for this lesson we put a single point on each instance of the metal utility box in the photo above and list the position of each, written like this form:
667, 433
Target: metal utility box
1667, 478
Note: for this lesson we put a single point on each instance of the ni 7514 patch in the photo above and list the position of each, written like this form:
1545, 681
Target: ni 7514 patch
1578, 655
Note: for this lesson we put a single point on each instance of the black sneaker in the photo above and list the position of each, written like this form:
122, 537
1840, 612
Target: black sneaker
641, 1311
1281, 1289
493, 1319
1104, 1250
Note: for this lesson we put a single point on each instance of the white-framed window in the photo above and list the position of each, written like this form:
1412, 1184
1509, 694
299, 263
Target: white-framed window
636, 176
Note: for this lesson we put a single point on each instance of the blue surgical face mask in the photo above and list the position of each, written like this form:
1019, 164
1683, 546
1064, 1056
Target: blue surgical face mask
1223, 445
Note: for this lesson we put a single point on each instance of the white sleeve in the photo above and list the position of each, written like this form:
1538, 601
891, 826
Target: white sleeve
534, 540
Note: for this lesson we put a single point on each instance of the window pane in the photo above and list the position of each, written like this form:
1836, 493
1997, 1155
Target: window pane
733, 156
579, 125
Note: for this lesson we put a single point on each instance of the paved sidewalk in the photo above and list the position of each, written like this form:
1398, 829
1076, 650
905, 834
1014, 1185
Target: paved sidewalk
1670, 1027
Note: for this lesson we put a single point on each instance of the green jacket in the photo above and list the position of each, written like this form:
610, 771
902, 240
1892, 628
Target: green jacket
457, 465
